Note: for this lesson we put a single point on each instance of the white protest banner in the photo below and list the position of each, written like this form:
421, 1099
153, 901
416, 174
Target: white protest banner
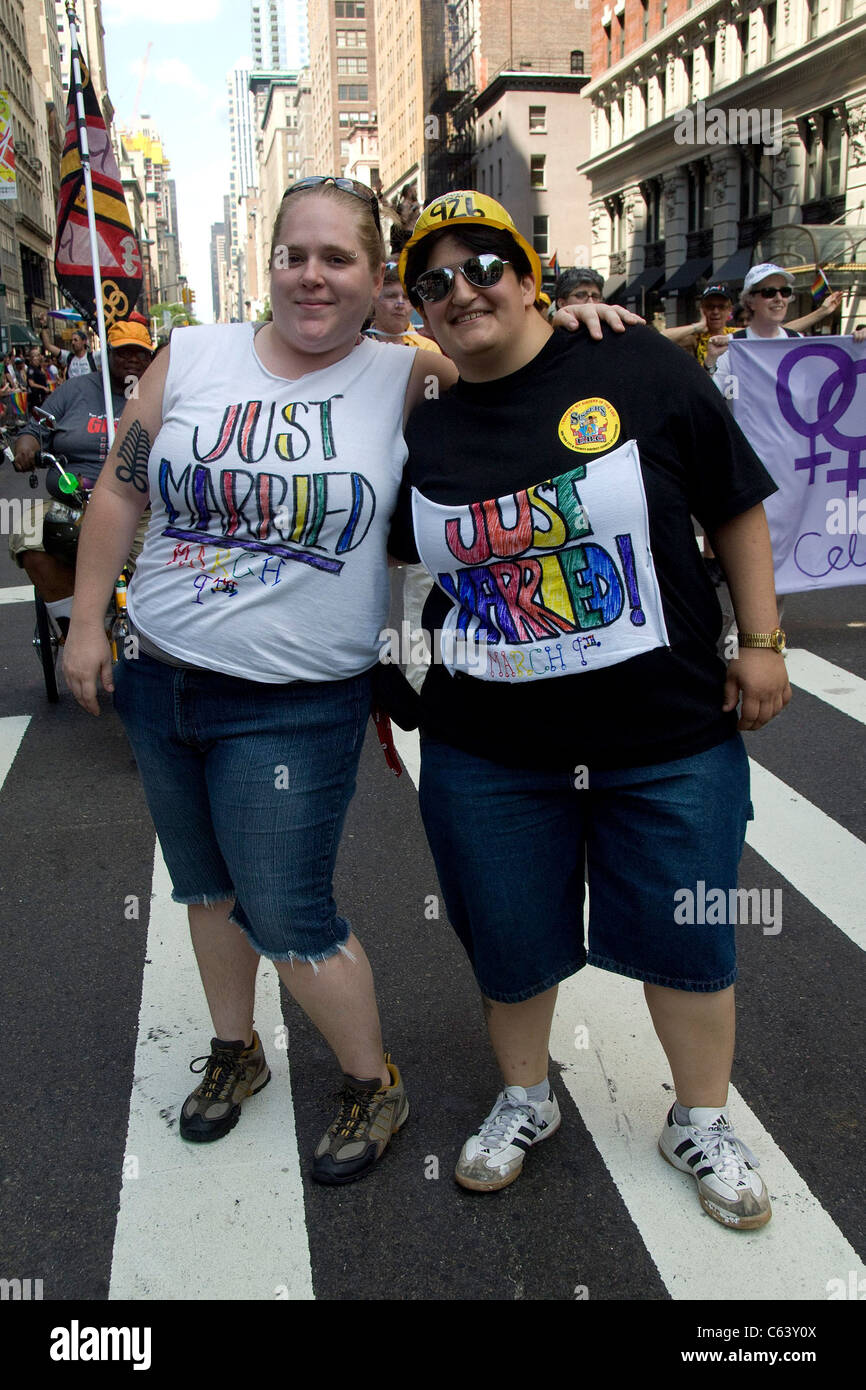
801, 403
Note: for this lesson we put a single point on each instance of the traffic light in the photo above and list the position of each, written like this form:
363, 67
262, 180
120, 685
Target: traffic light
185, 293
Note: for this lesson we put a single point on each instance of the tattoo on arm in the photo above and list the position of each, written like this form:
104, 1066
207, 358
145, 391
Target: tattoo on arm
135, 452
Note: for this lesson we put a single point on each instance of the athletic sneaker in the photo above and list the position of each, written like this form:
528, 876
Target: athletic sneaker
729, 1189
493, 1157
369, 1115
231, 1073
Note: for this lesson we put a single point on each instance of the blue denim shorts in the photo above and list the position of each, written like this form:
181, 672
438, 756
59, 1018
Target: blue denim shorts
248, 785
513, 848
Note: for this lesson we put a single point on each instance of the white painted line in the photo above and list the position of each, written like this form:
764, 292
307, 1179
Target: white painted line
205, 1221
618, 1084
12, 730
832, 684
19, 593
818, 857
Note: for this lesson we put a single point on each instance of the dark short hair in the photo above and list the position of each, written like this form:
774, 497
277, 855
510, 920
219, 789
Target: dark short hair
577, 275
476, 239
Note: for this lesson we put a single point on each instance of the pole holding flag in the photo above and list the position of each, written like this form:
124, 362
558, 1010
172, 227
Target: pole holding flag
95, 240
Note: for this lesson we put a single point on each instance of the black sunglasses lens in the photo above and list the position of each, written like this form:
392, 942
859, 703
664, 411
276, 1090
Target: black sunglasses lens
433, 285
785, 291
483, 271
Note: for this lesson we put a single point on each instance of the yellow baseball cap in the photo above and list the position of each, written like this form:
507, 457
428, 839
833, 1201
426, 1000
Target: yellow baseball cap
467, 206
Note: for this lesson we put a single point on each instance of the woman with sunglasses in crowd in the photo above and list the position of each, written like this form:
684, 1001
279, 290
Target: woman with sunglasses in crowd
576, 711
271, 456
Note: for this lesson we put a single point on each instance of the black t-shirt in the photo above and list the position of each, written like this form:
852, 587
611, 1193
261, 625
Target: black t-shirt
583, 583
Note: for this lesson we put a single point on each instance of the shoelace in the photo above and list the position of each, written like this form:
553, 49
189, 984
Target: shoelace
728, 1154
502, 1118
219, 1072
354, 1112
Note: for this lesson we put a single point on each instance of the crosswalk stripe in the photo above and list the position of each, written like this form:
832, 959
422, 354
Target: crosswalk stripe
12, 730
617, 1075
205, 1221
832, 684
17, 593
619, 1080
818, 857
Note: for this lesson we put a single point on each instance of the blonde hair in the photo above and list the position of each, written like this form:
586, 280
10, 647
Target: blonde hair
368, 233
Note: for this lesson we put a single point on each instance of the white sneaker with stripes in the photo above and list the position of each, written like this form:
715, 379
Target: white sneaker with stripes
494, 1156
729, 1189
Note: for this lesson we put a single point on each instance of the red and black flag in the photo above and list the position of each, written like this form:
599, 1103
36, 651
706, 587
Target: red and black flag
119, 254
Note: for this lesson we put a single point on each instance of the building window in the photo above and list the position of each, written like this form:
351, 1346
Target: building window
351, 38
699, 210
609, 48
541, 235
655, 215
644, 4
664, 13
614, 208
577, 60
351, 66
812, 28
536, 171
743, 32
755, 183
349, 9
770, 22
825, 162
622, 35
500, 178
352, 93
689, 70
537, 118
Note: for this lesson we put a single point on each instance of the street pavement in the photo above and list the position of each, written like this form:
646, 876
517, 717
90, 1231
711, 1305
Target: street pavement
102, 1013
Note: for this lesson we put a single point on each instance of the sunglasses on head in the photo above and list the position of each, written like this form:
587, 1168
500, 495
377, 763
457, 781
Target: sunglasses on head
784, 290
482, 272
353, 186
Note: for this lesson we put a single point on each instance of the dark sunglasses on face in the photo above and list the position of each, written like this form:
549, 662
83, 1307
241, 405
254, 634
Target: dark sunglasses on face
785, 291
353, 186
482, 272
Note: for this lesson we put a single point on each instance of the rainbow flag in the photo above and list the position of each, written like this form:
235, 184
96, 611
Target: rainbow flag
17, 404
820, 286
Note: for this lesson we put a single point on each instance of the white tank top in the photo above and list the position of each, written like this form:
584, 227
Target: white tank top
265, 556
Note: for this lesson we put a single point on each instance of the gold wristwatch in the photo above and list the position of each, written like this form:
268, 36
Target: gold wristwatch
775, 640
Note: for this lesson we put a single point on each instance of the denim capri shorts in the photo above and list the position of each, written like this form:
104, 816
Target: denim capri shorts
513, 848
248, 786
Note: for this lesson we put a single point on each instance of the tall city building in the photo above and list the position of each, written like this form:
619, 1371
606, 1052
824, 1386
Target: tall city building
723, 136
145, 155
242, 177
410, 57
91, 39
342, 76
268, 34
218, 268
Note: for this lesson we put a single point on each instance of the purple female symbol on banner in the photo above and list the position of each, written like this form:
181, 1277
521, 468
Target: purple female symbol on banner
842, 384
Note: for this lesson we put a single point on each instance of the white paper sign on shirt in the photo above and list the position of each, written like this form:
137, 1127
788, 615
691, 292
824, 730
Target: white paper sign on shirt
551, 581
802, 405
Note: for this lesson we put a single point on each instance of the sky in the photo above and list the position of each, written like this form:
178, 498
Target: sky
195, 43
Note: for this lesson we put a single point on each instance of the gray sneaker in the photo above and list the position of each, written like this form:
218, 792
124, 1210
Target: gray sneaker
231, 1073
369, 1115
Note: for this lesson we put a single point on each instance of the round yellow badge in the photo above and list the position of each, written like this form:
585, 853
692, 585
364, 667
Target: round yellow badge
589, 426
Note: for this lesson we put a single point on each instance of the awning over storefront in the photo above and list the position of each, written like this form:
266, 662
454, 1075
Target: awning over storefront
733, 270
612, 287
688, 275
20, 334
647, 280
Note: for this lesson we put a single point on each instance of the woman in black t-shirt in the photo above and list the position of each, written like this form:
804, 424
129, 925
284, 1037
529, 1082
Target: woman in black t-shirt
576, 710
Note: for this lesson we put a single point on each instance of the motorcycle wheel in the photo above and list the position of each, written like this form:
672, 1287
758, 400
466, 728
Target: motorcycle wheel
46, 643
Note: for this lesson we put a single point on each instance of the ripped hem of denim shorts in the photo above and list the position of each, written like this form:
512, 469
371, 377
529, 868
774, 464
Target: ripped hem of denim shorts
313, 958
203, 899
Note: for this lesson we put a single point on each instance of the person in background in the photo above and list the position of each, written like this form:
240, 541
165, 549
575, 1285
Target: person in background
579, 285
392, 315
38, 384
80, 434
79, 361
